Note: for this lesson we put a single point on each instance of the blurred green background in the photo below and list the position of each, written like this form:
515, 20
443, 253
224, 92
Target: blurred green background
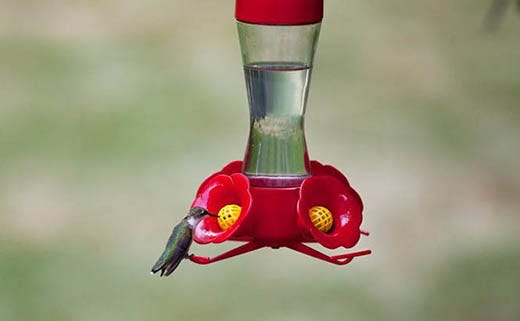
112, 112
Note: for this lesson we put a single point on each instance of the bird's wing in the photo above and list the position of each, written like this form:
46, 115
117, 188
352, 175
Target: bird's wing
176, 249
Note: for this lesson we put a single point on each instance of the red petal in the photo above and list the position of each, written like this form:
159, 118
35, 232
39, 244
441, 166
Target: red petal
336, 195
220, 190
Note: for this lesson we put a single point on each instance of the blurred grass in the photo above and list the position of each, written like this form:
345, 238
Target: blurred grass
482, 286
111, 114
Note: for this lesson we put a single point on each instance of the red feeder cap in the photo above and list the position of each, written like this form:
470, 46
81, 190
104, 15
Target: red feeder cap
279, 12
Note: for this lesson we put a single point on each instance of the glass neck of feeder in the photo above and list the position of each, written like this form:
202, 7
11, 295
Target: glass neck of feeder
277, 66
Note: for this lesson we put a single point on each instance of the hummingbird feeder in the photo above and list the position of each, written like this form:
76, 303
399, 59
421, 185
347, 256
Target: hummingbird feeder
277, 197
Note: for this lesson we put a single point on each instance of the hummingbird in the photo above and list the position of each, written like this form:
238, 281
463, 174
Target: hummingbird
179, 242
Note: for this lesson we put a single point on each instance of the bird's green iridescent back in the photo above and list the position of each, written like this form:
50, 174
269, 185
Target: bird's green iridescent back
176, 249
180, 239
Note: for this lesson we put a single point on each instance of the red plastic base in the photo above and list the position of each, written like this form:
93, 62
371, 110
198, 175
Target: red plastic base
278, 217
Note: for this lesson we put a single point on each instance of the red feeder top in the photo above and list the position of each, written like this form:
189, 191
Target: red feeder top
279, 12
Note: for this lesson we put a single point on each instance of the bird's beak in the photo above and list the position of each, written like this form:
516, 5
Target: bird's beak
212, 215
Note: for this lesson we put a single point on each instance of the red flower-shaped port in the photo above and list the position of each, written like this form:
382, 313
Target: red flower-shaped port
327, 187
218, 190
